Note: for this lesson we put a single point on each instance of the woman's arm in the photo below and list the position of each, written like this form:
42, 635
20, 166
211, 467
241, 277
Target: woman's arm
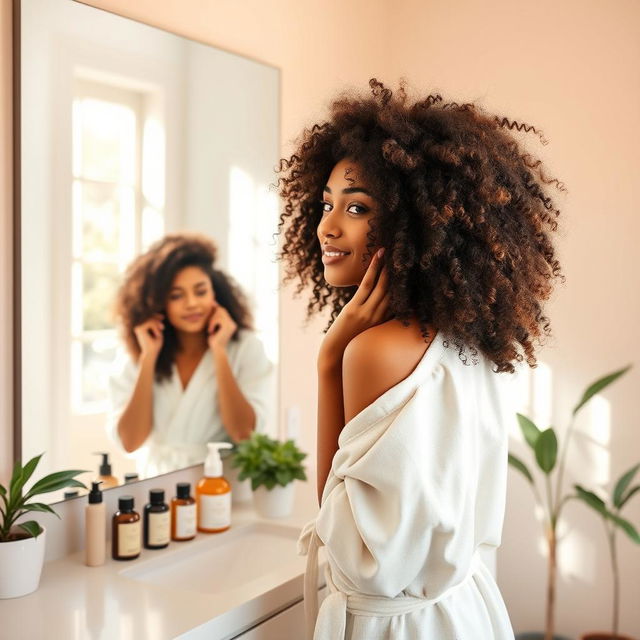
330, 415
237, 414
136, 420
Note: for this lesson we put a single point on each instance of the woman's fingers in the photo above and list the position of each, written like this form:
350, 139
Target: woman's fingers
379, 291
369, 279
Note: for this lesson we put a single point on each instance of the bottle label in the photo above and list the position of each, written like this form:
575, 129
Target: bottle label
159, 530
215, 511
129, 539
185, 520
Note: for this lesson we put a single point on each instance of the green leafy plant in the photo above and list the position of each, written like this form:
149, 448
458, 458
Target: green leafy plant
612, 521
545, 448
268, 462
14, 503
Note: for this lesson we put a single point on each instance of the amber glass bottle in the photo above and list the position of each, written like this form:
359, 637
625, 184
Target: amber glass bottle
183, 514
126, 533
157, 521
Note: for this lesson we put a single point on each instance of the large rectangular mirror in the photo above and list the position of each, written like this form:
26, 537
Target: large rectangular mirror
128, 133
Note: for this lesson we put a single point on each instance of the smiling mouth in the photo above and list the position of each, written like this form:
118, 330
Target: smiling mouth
193, 318
330, 257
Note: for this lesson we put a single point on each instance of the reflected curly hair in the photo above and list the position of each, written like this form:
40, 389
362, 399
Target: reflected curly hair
465, 218
147, 282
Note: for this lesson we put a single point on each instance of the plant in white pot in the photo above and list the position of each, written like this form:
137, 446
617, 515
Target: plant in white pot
610, 514
22, 543
547, 453
272, 466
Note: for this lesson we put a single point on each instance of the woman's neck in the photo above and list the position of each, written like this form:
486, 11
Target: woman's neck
191, 344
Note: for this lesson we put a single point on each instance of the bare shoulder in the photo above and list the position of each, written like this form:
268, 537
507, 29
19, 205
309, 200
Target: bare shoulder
376, 360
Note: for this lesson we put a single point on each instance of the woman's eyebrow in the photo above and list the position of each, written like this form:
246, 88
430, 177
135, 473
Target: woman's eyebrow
351, 190
197, 284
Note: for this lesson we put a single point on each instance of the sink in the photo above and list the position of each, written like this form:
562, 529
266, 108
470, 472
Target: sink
255, 558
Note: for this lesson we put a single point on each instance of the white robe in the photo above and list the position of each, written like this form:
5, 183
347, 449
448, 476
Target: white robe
184, 420
416, 489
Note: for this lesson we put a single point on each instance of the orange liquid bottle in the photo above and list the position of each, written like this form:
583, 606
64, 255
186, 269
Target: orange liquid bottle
213, 493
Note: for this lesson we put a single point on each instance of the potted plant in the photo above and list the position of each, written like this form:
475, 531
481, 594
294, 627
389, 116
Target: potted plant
544, 445
272, 467
22, 543
610, 514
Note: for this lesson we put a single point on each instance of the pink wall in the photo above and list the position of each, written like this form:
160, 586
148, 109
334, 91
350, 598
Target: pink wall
570, 68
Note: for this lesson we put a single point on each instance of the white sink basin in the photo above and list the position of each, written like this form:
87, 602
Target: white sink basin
254, 558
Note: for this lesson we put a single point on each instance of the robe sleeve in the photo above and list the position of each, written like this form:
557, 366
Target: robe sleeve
255, 378
399, 500
122, 382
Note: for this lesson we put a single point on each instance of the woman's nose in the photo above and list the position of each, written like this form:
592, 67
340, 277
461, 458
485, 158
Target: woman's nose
329, 227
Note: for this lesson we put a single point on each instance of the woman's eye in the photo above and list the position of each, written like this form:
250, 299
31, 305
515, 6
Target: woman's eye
174, 296
357, 209
326, 206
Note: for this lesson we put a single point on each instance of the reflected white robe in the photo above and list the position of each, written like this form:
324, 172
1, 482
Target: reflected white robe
184, 420
416, 489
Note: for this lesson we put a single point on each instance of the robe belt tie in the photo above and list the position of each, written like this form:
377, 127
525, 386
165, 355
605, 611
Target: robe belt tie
329, 622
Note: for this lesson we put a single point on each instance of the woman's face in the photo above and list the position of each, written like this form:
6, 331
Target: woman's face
191, 300
348, 207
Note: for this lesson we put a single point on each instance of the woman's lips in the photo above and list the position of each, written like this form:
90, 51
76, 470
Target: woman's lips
195, 317
332, 259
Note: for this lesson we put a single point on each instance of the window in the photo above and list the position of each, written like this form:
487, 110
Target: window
117, 211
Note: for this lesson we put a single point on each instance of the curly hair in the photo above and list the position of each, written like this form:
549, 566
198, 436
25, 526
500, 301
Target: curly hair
465, 218
147, 282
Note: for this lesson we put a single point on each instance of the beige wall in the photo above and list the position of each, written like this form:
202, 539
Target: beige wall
570, 68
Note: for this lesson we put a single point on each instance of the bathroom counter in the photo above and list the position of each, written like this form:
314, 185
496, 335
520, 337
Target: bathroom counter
74, 601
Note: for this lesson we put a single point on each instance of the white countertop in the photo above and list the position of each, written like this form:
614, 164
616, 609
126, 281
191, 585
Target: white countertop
74, 601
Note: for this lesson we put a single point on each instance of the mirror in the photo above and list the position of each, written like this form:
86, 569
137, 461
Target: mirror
127, 133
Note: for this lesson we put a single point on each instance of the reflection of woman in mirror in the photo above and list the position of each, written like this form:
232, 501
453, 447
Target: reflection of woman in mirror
427, 231
195, 371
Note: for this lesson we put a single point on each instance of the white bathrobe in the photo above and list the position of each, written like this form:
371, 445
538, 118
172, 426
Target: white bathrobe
416, 489
184, 420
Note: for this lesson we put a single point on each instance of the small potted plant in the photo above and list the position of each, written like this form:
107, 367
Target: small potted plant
272, 466
22, 543
610, 514
544, 445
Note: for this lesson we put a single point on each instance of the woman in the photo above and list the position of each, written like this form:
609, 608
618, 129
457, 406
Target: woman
195, 372
426, 230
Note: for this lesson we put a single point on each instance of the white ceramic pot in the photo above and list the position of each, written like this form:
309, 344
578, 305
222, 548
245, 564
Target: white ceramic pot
21, 566
274, 503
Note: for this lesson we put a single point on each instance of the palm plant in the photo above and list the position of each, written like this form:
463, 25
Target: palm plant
612, 521
545, 447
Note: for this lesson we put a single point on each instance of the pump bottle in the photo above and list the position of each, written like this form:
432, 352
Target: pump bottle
105, 476
95, 528
213, 493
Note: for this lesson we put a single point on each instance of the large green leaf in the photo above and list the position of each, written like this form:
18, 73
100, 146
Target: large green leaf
516, 463
626, 526
529, 430
547, 450
25, 473
622, 484
598, 386
15, 479
55, 482
629, 495
592, 500
31, 527
39, 506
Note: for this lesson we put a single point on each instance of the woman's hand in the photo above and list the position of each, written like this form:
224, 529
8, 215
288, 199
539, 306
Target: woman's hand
220, 328
367, 308
150, 336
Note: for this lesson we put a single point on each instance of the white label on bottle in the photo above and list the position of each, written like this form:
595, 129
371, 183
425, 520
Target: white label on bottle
215, 511
185, 520
129, 539
159, 531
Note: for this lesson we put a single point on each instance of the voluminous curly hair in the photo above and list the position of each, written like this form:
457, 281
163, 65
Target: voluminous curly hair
145, 289
464, 217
